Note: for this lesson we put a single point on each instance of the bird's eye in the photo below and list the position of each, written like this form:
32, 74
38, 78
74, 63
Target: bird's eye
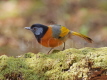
34, 29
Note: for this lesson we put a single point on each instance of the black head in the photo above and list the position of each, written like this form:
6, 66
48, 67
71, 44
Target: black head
39, 30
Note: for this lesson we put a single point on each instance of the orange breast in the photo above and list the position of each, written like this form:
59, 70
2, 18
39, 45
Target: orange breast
49, 41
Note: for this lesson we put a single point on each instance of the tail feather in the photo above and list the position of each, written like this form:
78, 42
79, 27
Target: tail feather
82, 36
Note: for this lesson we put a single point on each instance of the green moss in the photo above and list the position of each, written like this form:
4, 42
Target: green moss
70, 64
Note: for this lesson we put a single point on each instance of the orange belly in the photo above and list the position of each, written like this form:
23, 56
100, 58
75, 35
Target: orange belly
51, 42
48, 41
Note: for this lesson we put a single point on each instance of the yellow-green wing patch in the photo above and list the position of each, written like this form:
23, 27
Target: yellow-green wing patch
64, 31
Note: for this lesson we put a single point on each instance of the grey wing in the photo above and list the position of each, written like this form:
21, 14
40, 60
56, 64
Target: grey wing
56, 30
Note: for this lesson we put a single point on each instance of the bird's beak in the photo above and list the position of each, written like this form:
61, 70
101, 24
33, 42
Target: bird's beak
28, 28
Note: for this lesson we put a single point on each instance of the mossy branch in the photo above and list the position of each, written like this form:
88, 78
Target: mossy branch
71, 64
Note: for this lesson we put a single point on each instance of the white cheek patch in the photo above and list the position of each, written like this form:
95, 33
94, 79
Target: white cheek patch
39, 31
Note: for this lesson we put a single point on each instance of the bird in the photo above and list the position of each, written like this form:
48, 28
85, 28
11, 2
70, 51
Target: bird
54, 35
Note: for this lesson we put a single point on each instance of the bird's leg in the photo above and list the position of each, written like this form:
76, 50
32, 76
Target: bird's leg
49, 51
63, 47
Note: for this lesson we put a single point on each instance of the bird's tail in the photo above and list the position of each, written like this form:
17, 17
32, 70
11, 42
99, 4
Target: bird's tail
82, 36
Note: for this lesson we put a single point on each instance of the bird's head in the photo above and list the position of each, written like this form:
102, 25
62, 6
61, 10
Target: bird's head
37, 29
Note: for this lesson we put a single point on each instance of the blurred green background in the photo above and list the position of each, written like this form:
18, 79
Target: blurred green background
88, 17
